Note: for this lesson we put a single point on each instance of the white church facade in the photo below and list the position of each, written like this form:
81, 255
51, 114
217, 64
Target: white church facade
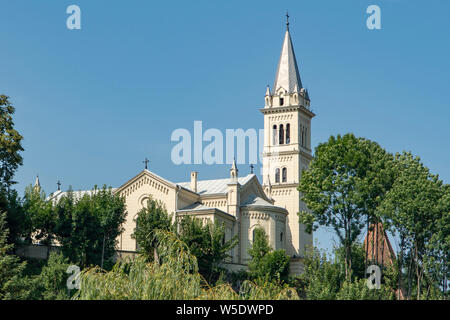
244, 203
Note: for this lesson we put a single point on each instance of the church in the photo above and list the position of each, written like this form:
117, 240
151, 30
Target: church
243, 203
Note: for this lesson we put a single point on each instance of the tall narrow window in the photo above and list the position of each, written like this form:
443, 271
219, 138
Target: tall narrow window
306, 137
288, 133
281, 134
277, 175
281, 101
302, 136
281, 236
284, 175
274, 134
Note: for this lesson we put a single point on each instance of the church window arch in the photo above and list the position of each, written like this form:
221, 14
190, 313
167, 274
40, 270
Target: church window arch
281, 101
284, 175
274, 134
281, 134
277, 175
288, 133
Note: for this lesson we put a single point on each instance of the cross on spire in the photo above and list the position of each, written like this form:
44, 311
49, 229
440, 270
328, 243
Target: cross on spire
146, 161
59, 185
287, 20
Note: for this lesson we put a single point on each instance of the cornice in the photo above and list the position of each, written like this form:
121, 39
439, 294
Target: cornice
283, 109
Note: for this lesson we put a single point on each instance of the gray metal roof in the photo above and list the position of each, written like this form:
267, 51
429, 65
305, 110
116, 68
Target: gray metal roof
197, 206
216, 185
56, 196
287, 76
253, 200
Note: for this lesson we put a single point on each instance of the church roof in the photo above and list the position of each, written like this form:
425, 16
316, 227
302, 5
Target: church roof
56, 196
197, 206
215, 186
288, 76
254, 201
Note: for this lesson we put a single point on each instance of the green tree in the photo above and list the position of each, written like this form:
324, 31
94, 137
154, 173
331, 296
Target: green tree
51, 283
150, 218
207, 242
40, 215
414, 208
265, 263
12, 283
175, 277
88, 227
18, 222
343, 186
324, 277
10, 160
10, 144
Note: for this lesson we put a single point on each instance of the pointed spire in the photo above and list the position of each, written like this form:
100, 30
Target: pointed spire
287, 76
234, 171
37, 184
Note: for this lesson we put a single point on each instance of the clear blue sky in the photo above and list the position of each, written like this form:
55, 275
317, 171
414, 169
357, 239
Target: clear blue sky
93, 103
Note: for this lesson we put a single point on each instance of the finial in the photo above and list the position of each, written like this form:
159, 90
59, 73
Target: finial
146, 161
37, 182
251, 168
287, 21
59, 185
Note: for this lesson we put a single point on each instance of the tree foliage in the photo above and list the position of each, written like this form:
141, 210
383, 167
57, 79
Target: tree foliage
417, 209
40, 214
12, 284
207, 242
266, 263
87, 228
51, 282
175, 277
152, 217
10, 144
343, 186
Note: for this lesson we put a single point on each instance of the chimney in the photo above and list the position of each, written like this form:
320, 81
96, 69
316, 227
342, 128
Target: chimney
194, 181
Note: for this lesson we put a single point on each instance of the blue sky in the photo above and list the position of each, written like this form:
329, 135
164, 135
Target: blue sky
93, 103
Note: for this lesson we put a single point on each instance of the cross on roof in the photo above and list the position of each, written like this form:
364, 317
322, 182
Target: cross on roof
59, 185
146, 161
287, 20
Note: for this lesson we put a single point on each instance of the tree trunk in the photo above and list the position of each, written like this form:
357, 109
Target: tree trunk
400, 262
103, 250
155, 255
417, 272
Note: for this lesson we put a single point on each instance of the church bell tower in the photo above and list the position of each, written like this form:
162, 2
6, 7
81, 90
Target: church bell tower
287, 144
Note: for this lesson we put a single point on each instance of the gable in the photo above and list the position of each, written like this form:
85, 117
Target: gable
253, 188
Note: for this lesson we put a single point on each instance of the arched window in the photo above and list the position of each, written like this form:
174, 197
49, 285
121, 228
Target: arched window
288, 133
281, 101
281, 134
274, 134
284, 175
277, 175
